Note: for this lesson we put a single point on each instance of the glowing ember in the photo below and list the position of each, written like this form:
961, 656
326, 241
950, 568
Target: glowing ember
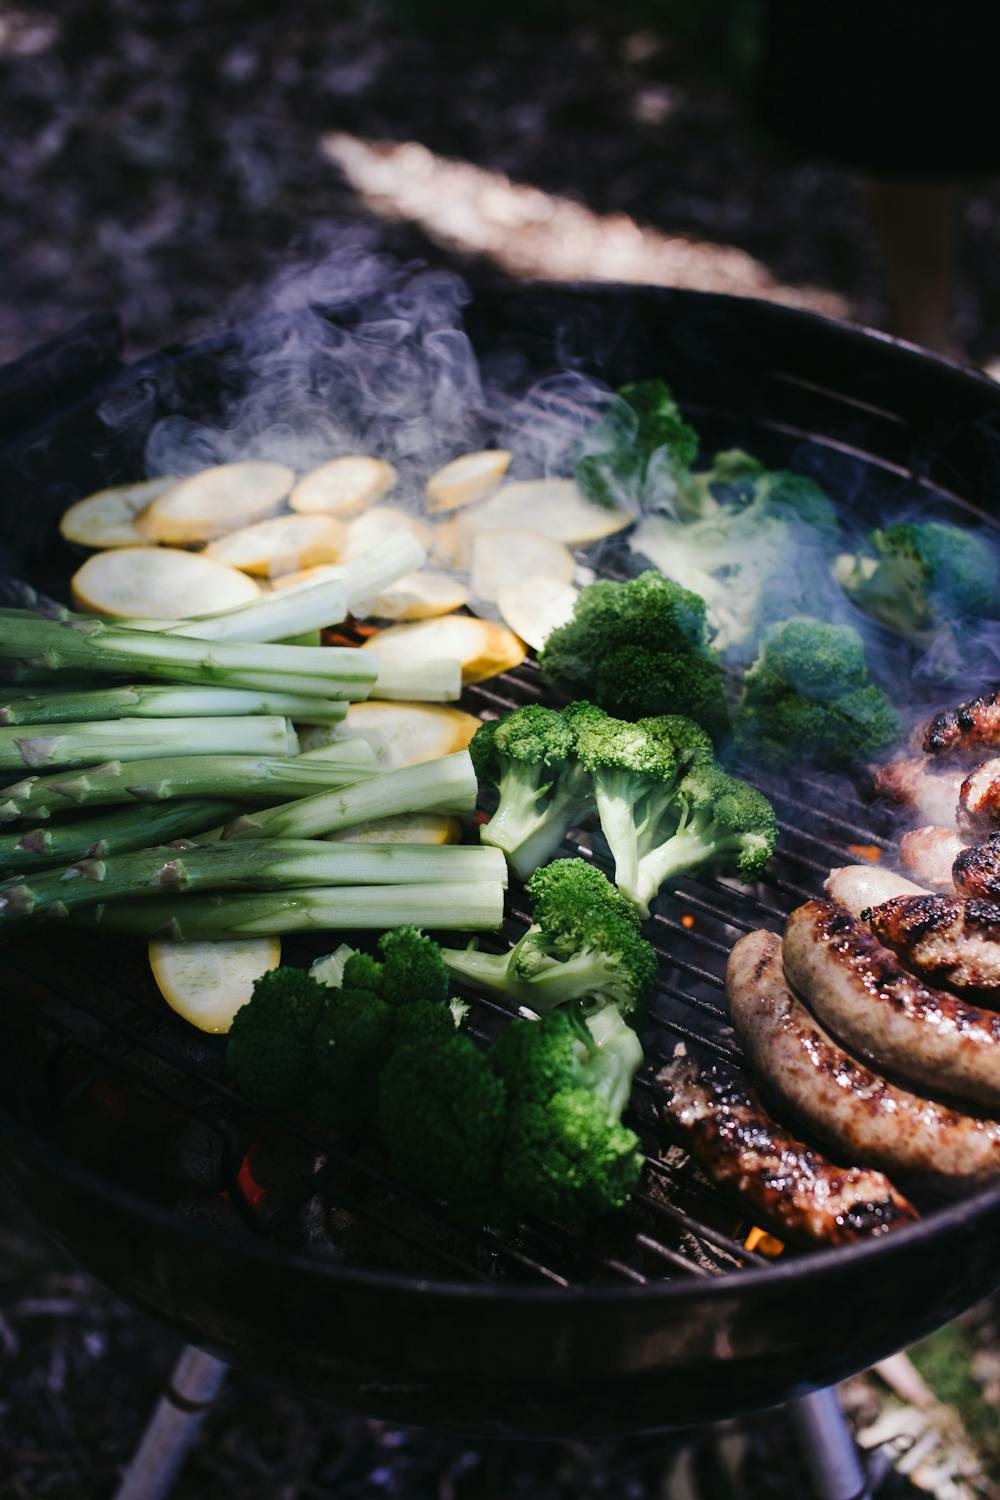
248, 1186
871, 852
687, 920
762, 1242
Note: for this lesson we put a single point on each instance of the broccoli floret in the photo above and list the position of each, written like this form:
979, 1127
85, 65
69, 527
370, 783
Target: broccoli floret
412, 967
808, 699
566, 1154
442, 1111
638, 648
641, 443
352, 1041
923, 574
423, 1019
748, 559
530, 756
362, 972
269, 1049
583, 945
663, 818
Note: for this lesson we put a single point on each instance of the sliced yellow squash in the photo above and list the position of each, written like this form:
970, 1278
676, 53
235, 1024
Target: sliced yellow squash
555, 507
107, 519
307, 575
344, 486
417, 596
281, 544
467, 479
404, 828
535, 607
483, 647
503, 557
367, 530
401, 734
160, 583
207, 983
214, 501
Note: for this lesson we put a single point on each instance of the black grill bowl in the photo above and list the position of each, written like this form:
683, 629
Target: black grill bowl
666, 1321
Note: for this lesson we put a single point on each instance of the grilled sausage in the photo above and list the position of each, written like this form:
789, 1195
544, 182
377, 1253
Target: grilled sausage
947, 940
779, 1180
914, 783
862, 992
862, 1115
858, 886
979, 800
968, 727
928, 855
976, 871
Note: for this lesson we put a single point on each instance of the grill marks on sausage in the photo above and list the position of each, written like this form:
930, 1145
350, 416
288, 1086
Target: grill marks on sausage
786, 1184
944, 939
965, 727
860, 989
976, 870
979, 799
861, 1114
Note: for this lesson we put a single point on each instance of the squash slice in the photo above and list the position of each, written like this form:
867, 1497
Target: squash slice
483, 647
208, 982
214, 501
401, 734
107, 519
504, 557
160, 582
281, 544
466, 479
344, 486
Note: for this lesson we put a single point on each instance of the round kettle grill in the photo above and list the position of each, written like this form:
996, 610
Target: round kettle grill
295, 1255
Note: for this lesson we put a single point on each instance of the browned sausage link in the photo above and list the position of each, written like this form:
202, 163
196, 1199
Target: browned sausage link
928, 855
778, 1180
976, 870
861, 991
948, 940
979, 800
859, 1113
966, 727
916, 783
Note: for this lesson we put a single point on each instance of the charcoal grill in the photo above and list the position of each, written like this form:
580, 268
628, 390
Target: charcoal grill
123, 1137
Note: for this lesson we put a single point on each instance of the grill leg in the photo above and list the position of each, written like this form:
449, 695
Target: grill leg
196, 1381
828, 1450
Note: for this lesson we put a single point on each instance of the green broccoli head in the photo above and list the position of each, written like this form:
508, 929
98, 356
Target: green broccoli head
808, 698
641, 431
690, 743
442, 1111
726, 822
568, 887
635, 682
422, 1019
269, 1048
362, 972
564, 1159
412, 967
530, 756
352, 1041
536, 1059
923, 574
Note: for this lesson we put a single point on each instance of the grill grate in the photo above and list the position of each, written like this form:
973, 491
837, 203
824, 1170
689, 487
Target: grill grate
110, 1037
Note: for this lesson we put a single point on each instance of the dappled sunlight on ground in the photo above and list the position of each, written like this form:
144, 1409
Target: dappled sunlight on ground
529, 232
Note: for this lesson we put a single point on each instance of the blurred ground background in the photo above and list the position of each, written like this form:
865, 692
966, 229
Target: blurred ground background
159, 159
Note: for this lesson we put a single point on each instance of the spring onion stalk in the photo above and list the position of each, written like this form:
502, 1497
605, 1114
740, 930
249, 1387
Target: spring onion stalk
109, 833
466, 906
242, 778
93, 645
148, 700
266, 866
418, 682
447, 785
301, 608
52, 745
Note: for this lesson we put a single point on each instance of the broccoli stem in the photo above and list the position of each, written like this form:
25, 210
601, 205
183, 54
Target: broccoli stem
529, 825
484, 971
149, 701
556, 981
697, 842
87, 743
270, 865
469, 906
631, 824
616, 1058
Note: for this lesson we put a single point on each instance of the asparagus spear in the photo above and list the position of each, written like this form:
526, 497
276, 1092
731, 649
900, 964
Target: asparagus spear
243, 778
148, 700
32, 642
108, 833
142, 739
264, 866
444, 785
467, 906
